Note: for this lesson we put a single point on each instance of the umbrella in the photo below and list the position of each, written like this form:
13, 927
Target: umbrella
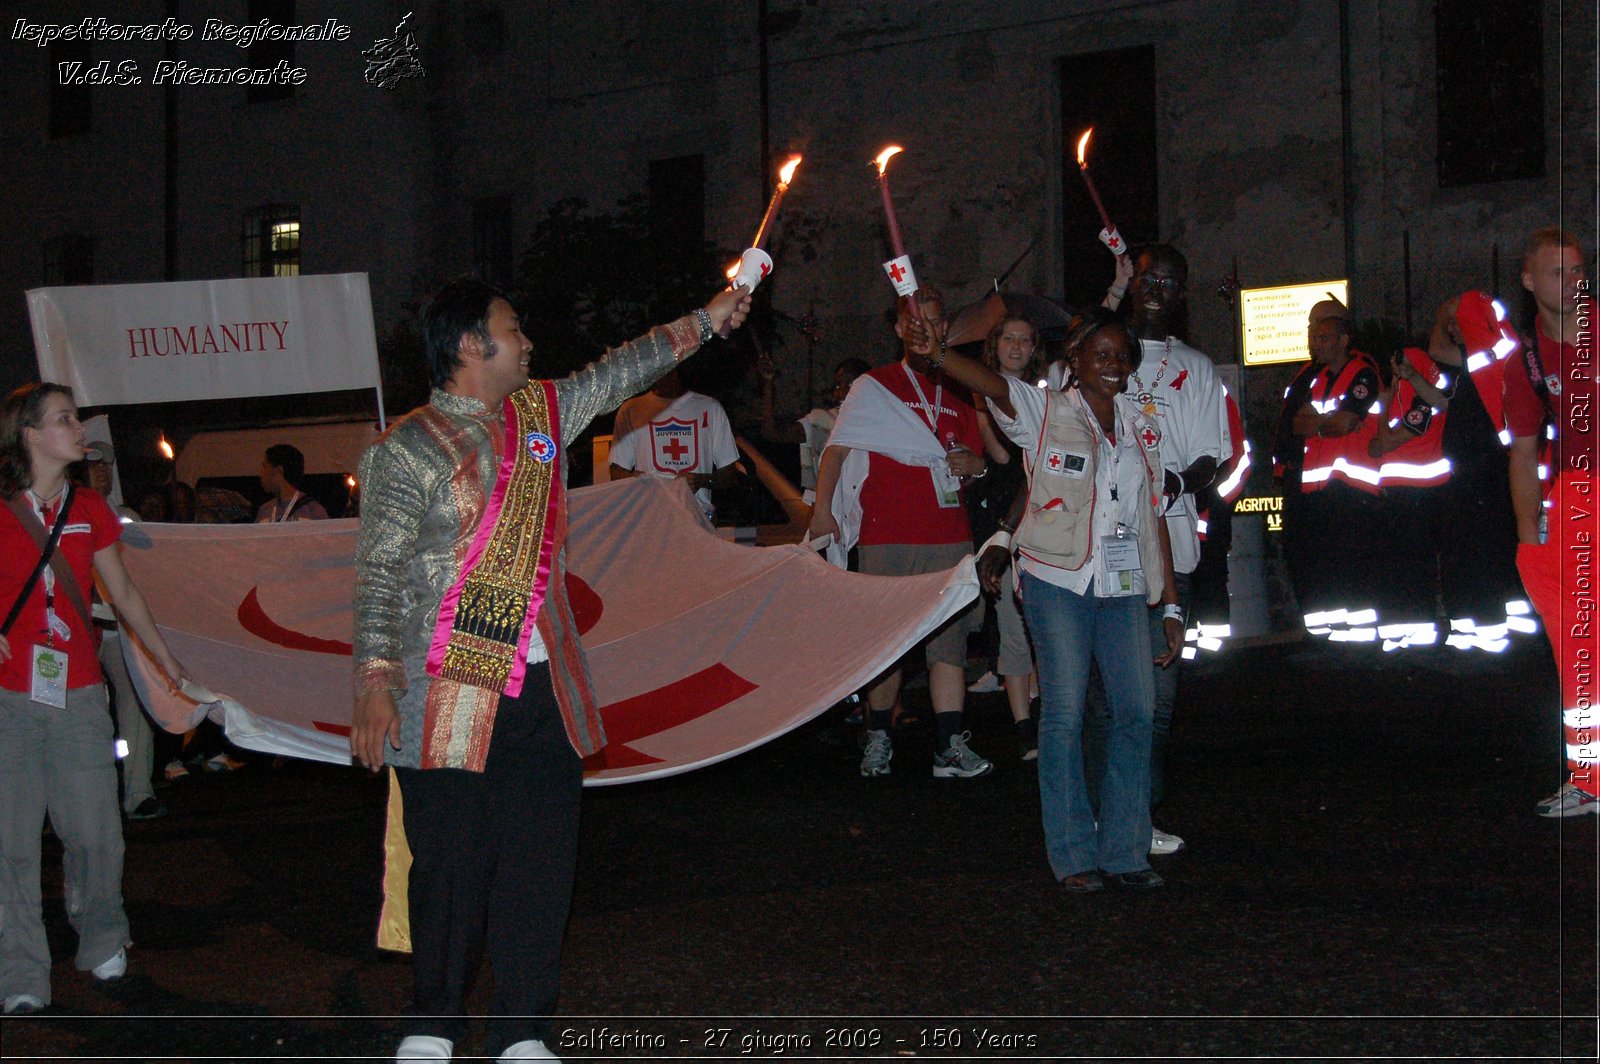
974, 323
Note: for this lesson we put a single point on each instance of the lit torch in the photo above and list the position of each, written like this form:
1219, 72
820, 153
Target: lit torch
785, 175
1109, 235
898, 268
164, 447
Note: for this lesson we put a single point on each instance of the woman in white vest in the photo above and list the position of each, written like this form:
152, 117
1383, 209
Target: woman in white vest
1091, 557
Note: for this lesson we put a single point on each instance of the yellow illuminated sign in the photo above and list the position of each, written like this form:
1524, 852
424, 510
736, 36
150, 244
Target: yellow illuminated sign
1271, 506
1274, 319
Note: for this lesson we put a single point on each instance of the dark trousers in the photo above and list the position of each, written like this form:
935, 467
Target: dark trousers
494, 853
1333, 550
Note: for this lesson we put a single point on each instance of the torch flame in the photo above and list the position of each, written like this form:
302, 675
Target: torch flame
885, 155
786, 174
350, 481
733, 271
165, 447
1083, 144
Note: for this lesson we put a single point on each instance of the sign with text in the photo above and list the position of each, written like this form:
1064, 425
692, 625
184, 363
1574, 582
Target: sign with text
1274, 319
159, 343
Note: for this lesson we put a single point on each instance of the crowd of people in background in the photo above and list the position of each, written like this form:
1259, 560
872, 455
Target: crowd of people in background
1424, 487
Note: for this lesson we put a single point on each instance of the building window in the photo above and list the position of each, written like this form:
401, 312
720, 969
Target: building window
272, 241
492, 254
69, 259
1115, 92
677, 207
1490, 67
70, 112
266, 55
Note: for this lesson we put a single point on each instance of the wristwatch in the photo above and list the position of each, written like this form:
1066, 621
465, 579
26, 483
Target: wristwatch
706, 331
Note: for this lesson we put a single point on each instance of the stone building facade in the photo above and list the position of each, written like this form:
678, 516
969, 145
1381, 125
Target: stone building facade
1297, 138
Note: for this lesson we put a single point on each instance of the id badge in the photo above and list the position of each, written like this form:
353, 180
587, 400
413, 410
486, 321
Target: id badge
946, 486
1119, 556
49, 676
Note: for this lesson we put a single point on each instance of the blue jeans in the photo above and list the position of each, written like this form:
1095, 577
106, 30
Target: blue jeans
1166, 699
1069, 630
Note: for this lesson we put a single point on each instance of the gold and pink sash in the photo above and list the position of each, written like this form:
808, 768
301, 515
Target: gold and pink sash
487, 616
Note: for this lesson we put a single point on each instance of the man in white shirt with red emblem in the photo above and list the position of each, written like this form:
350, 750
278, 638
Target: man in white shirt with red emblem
671, 431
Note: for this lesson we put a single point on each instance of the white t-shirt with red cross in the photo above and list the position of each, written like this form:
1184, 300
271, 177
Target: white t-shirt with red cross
661, 438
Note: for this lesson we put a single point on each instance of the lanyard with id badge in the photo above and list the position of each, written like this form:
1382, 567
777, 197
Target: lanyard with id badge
946, 485
1121, 571
48, 671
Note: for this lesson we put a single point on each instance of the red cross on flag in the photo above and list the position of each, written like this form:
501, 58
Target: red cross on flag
901, 275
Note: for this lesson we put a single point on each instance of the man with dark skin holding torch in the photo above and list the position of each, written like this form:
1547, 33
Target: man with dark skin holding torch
1550, 395
912, 518
1178, 387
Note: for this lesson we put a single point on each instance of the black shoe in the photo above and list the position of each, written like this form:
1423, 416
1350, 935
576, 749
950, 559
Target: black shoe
1144, 879
148, 809
1028, 738
1083, 882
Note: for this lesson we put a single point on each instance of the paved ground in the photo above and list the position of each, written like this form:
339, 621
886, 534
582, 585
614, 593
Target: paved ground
1365, 877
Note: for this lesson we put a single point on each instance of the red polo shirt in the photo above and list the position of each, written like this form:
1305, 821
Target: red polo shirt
90, 528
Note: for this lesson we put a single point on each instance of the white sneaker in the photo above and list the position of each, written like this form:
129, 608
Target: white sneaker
1162, 843
987, 684
1568, 801
114, 968
532, 1049
21, 1004
423, 1047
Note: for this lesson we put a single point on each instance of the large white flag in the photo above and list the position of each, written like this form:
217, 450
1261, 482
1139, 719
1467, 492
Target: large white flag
159, 343
700, 648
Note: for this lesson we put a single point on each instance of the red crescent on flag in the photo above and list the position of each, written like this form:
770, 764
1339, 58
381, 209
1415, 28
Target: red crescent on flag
254, 619
660, 710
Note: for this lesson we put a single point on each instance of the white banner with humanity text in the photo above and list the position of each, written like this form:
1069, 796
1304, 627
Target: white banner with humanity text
700, 648
224, 339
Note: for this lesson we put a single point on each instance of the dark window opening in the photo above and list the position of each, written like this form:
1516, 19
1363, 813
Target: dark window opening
1115, 92
677, 207
70, 104
69, 259
266, 55
492, 255
1491, 90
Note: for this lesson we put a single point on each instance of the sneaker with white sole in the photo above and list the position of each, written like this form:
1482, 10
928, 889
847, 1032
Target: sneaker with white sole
1163, 844
1568, 801
875, 758
987, 684
114, 967
22, 1004
531, 1049
959, 762
423, 1047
